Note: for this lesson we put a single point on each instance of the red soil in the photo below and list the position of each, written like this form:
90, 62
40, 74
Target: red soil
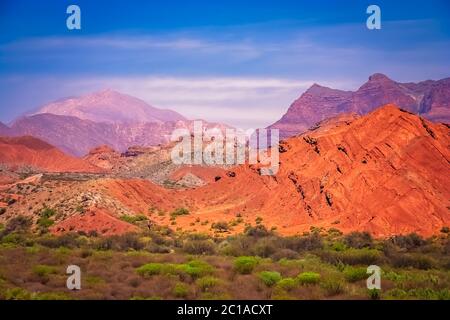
98, 220
27, 150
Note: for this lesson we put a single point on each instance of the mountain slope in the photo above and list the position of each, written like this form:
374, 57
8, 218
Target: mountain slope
4, 130
380, 173
77, 137
29, 151
430, 99
109, 106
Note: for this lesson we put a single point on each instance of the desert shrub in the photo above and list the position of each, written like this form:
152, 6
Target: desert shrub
332, 286
284, 254
68, 240
151, 269
221, 226
45, 223
265, 247
179, 212
47, 213
196, 268
120, 242
409, 260
51, 296
374, 294
306, 278
245, 264
287, 284
304, 243
155, 248
43, 270
2, 211
204, 247
353, 274
358, 240
133, 219
443, 229
208, 282
15, 238
180, 290
17, 294
257, 231
338, 246
269, 278
410, 241
351, 256
19, 224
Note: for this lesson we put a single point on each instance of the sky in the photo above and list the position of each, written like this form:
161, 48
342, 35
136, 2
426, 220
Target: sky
238, 62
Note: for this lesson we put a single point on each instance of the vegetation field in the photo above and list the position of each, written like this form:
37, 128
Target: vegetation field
163, 264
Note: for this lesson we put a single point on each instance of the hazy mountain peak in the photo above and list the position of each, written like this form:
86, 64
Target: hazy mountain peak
379, 77
109, 106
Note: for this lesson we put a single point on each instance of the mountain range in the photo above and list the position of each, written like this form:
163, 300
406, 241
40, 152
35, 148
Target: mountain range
77, 125
430, 99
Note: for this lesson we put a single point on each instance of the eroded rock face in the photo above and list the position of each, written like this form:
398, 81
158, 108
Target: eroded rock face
431, 99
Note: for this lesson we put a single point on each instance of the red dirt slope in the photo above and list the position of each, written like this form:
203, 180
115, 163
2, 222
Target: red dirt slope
27, 150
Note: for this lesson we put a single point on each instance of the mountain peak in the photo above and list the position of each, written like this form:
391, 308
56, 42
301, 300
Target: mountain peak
110, 106
379, 77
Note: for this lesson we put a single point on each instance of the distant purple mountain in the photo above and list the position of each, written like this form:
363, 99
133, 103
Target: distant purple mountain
430, 99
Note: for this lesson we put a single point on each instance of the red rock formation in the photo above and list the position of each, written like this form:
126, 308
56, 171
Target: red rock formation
30, 151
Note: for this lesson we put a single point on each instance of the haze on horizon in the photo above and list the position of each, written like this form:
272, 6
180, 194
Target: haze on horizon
238, 63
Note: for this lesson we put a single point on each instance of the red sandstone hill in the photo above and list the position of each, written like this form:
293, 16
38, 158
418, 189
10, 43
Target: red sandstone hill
430, 99
386, 173
30, 151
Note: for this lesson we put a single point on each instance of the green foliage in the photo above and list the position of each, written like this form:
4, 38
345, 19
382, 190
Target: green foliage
45, 222
245, 264
374, 294
332, 286
180, 290
270, 278
179, 212
353, 274
221, 226
307, 278
204, 247
133, 219
358, 240
43, 270
47, 213
194, 268
287, 284
208, 282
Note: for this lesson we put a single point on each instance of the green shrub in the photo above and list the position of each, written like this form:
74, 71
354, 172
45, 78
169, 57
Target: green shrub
45, 222
287, 284
410, 241
151, 269
245, 264
418, 261
374, 294
179, 212
352, 256
18, 294
196, 268
208, 282
43, 270
47, 213
200, 247
306, 278
332, 286
353, 274
270, 278
133, 219
221, 226
358, 240
180, 290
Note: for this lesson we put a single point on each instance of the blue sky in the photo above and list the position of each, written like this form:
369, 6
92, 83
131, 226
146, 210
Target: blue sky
241, 62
